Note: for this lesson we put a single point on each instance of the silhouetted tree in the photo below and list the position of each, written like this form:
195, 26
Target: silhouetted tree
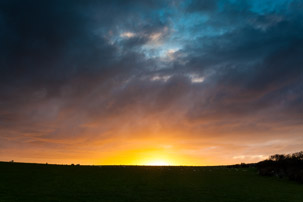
280, 165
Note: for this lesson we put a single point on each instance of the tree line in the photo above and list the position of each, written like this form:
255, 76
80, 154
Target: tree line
283, 166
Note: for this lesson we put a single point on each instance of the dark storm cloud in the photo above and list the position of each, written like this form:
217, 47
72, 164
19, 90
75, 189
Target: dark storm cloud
254, 64
44, 44
46, 47
202, 6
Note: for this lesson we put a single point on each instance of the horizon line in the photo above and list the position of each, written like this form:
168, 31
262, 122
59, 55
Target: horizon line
128, 165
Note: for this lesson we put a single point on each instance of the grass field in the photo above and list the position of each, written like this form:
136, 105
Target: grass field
34, 182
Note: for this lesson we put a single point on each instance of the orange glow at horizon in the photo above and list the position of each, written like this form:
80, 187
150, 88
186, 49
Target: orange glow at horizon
148, 151
144, 156
141, 147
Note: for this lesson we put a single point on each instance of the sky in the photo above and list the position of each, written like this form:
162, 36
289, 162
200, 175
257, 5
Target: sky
194, 82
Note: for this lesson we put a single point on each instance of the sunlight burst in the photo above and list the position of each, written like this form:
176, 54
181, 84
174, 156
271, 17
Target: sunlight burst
157, 163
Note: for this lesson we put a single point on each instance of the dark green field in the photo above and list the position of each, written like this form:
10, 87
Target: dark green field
34, 182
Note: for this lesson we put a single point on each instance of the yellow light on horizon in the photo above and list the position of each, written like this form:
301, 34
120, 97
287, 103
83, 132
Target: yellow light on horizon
157, 163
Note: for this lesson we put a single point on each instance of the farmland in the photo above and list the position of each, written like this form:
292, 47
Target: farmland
39, 182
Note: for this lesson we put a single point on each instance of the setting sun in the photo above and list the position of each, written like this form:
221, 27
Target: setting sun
157, 163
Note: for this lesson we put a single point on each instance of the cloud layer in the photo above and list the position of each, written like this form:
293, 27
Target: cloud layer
208, 81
